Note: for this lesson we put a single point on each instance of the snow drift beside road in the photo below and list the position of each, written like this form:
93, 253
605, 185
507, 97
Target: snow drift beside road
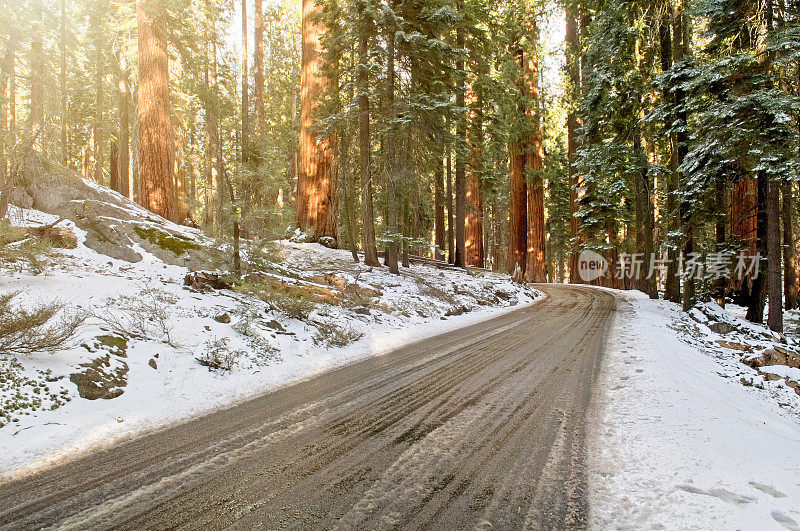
679, 443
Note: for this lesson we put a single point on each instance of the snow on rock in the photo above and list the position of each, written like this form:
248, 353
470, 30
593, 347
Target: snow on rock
305, 310
678, 442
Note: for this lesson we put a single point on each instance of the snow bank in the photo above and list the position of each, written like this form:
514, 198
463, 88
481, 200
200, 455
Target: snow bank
165, 383
678, 442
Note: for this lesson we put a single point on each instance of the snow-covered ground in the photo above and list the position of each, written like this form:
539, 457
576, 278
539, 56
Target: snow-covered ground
324, 311
679, 442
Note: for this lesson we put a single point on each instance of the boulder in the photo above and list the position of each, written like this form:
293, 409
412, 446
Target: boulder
205, 281
721, 328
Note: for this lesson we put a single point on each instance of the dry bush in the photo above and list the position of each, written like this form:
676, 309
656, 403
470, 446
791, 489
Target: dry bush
41, 329
219, 355
20, 252
334, 335
293, 301
146, 315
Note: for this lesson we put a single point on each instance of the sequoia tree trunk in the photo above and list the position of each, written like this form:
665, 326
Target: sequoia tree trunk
473, 241
536, 267
438, 200
790, 281
461, 134
316, 185
155, 166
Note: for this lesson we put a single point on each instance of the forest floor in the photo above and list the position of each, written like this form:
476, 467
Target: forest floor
154, 351
688, 435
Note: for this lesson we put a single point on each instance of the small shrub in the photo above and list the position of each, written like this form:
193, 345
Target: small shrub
289, 300
24, 331
146, 315
27, 254
334, 335
219, 355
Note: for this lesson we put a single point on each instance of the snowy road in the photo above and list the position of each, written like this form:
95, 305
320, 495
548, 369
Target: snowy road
480, 427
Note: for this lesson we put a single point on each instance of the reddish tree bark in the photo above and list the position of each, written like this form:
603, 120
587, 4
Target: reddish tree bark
316, 186
473, 223
155, 165
536, 268
438, 199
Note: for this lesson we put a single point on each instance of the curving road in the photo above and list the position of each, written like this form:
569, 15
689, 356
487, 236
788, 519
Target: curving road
482, 427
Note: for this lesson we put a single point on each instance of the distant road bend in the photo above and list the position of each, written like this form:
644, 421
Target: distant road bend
482, 427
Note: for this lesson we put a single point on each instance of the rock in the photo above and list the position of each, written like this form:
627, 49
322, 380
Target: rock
502, 295
153, 363
734, 346
205, 281
362, 310
299, 236
774, 356
459, 310
223, 318
100, 380
110, 220
328, 241
721, 328
115, 345
275, 325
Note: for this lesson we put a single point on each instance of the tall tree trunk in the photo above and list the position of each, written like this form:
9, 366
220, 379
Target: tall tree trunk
36, 116
181, 200
258, 68
461, 133
99, 137
449, 201
790, 280
391, 160
113, 167
535, 255
672, 285
211, 131
316, 185
644, 217
518, 212
574, 76
62, 43
9, 139
245, 146
348, 174
775, 317
155, 166
473, 244
123, 105
518, 195
367, 216
743, 209
438, 200
758, 292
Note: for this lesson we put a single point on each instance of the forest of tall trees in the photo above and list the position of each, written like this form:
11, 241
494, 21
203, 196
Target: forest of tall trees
667, 130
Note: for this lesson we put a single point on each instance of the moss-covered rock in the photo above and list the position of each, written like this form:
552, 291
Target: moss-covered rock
176, 243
